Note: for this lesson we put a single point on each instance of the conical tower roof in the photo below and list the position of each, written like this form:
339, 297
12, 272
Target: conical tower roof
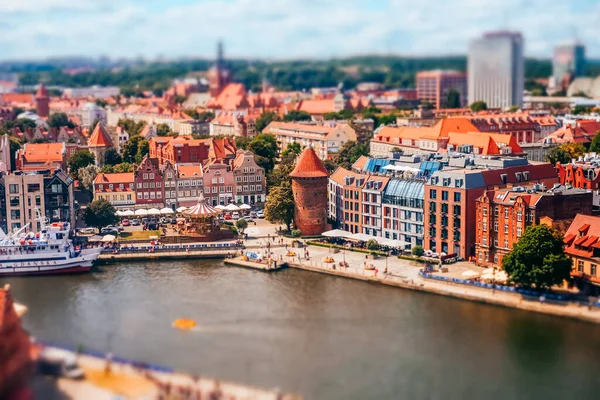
100, 137
42, 91
309, 166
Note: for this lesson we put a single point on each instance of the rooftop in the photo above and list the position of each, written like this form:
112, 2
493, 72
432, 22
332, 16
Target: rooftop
309, 165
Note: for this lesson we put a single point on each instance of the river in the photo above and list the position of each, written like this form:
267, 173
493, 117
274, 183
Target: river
321, 336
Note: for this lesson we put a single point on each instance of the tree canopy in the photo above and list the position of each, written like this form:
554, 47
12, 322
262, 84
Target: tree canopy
131, 127
595, 145
78, 160
350, 152
265, 119
86, 177
100, 213
565, 153
453, 99
58, 120
112, 156
264, 146
279, 207
478, 106
135, 149
163, 130
294, 148
241, 224
296, 115
538, 259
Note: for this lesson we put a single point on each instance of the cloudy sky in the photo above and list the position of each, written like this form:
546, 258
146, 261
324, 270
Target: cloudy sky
284, 28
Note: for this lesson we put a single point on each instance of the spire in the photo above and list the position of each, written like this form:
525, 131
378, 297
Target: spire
220, 53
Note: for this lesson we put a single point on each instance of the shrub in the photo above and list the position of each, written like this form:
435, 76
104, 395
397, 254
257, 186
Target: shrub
372, 244
418, 251
296, 233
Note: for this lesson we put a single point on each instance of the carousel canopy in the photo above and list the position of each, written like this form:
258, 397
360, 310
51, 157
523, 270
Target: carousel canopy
201, 209
181, 209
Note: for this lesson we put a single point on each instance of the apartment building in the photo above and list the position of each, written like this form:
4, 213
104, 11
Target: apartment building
504, 214
42, 156
22, 193
149, 187
218, 184
117, 188
583, 246
325, 140
372, 196
250, 181
433, 87
345, 199
403, 203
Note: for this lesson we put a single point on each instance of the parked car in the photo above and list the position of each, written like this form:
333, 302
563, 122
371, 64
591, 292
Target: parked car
135, 222
145, 221
227, 217
253, 214
247, 218
87, 231
260, 214
174, 221
163, 220
110, 230
235, 215
59, 363
125, 222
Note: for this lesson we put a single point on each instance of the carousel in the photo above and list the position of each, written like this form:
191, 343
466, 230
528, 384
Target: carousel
202, 223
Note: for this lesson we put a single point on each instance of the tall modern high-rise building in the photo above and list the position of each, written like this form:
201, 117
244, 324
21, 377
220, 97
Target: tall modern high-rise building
568, 59
496, 70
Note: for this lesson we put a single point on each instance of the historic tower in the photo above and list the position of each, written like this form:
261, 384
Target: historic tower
218, 75
42, 102
309, 185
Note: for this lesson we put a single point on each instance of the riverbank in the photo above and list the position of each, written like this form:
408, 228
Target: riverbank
129, 379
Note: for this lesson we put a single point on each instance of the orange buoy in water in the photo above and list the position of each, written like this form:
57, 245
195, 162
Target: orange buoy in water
184, 323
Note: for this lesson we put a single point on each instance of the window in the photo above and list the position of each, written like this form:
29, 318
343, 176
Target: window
506, 243
495, 211
504, 178
214, 181
110, 187
593, 269
15, 214
519, 216
484, 241
506, 229
33, 187
485, 225
13, 189
258, 188
258, 178
121, 186
519, 231
145, 176
444, 195
221, 180
14, 201
484, 211
495, 226
215, 189
146, 196
100, 187
579, 266
506, 213
433, 193
457, 197
151, 176
238, 179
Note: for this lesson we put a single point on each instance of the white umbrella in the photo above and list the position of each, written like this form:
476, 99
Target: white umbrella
166, 211
245, 207
153, 211
120, 213
470, 274
220, 207
128, 213
141, 212
232, 207
488, 271
338, 233
108, 238
181, 209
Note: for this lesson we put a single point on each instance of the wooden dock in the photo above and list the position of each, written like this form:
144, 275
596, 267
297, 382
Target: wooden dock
239, 262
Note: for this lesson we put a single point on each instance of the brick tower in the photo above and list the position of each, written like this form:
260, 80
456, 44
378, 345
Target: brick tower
309, 185
42, 102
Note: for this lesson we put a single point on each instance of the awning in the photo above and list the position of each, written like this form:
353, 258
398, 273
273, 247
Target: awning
337, 233
141, 212
154, 211
392, 242
166, 211
127, 213
363, 237
245, 207
232, 207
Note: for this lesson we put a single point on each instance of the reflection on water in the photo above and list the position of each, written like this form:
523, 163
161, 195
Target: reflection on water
321, 336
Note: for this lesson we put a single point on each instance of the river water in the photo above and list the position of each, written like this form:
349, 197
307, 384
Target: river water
321, 336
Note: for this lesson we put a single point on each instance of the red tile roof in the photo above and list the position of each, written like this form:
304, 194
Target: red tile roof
100, 137
309, 166
42, 91
121, 177
43, 152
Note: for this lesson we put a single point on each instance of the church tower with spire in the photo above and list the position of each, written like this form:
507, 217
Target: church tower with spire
218, 75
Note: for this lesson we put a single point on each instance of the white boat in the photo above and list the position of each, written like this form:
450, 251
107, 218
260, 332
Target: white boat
49, 251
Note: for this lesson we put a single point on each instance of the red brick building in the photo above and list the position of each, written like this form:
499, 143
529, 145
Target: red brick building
184, 150
451, 195
503, 215
309, 185
15, 361
433, 86
522, 127
580, 175
149, 186
42, 102
582, 241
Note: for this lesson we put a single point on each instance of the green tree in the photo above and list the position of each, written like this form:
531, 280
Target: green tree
86, 177
350, 152
15, 145
134, 146
241, 142
294, 148
112, 157
101, 103
100, 213
389, 119
279, 207
453, 99
478, 106
265, 119
40, 140
417, 251
241, 224
538, 259
514, 108
264, 146
78, 160
574, 150
58, 120
372, 244
330, 166
142, 151
123, 167
163, 130
558, 155
595, 145
131, 127
578, 110
107, 169
296, 115
281, 173
343, 114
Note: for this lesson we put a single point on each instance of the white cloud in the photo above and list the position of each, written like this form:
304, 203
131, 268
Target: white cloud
283, 28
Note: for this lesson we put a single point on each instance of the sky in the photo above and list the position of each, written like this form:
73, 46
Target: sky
284, 29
